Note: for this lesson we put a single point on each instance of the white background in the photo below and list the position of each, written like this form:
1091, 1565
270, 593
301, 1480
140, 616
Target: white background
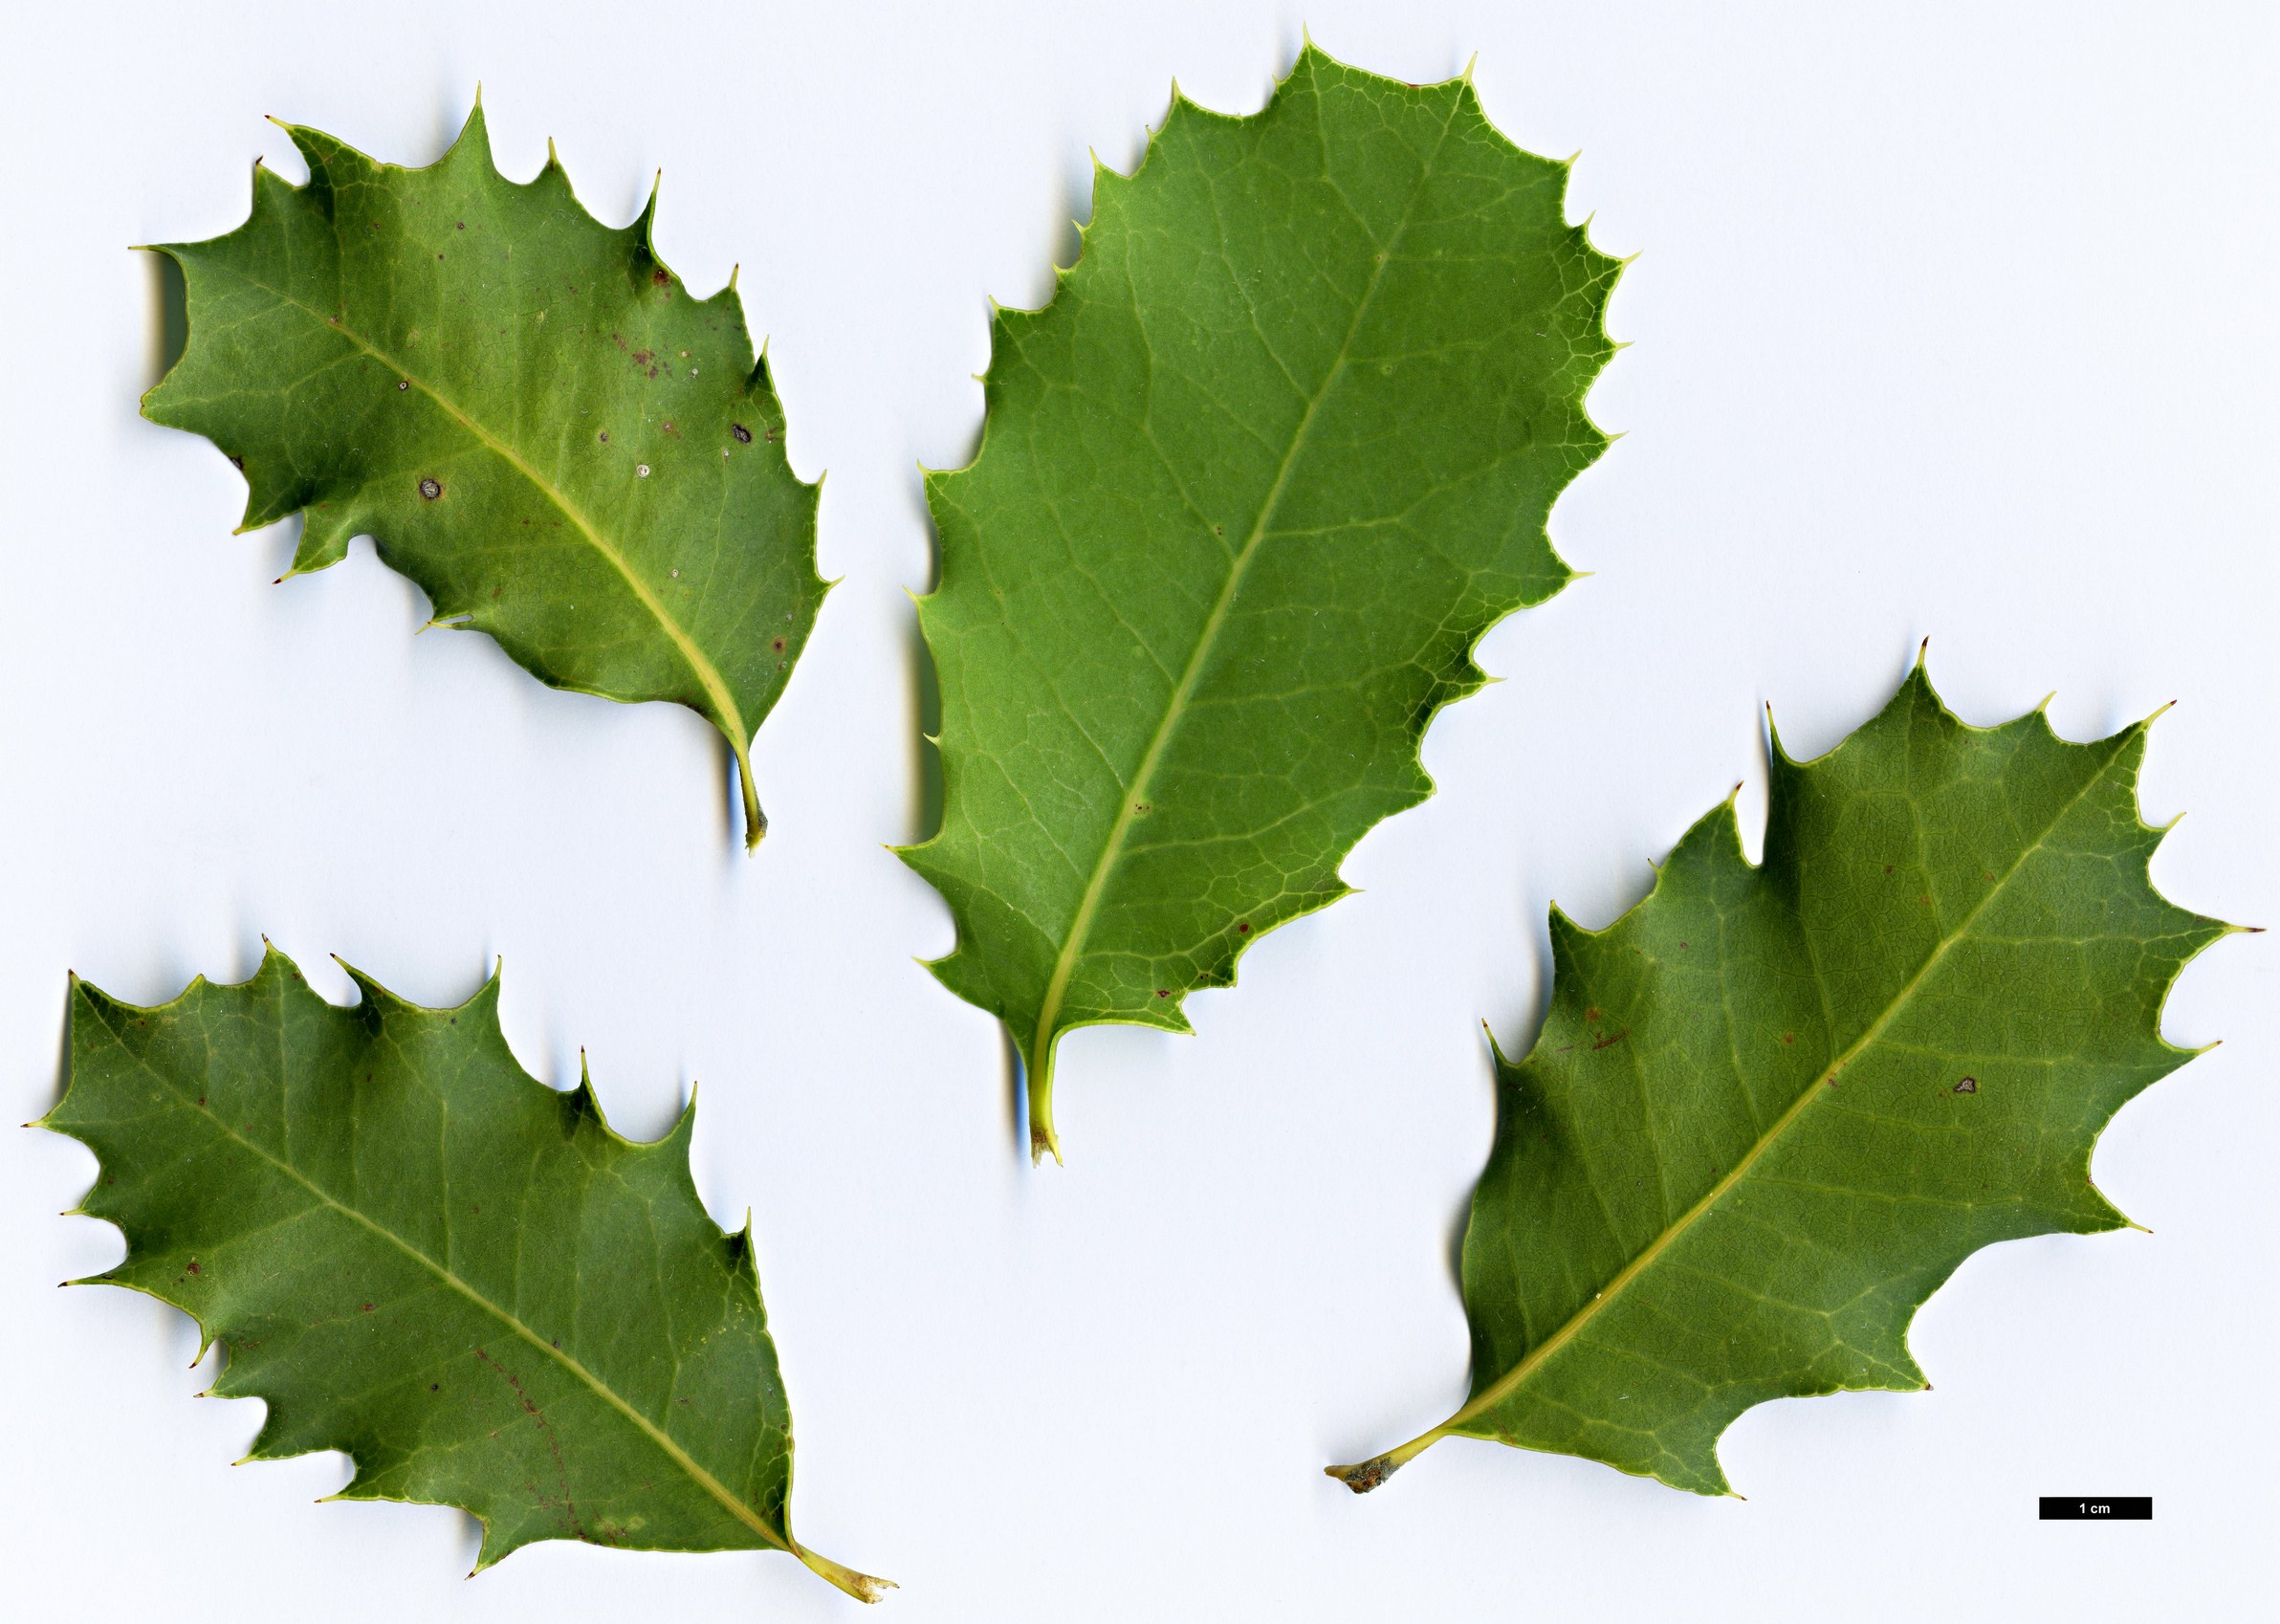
1957, 322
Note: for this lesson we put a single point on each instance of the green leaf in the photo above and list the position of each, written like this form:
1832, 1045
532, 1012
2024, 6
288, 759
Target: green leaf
524, 409
1773, 1109
1251, 488
422, 1256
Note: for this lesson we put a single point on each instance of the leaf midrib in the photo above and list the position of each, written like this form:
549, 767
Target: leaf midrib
730, 718
1507, 1384
664, 1441
1134, 794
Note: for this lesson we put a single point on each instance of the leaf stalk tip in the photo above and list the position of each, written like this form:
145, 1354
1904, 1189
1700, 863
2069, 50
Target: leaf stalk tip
756, 821
863, 1586
1042, 1140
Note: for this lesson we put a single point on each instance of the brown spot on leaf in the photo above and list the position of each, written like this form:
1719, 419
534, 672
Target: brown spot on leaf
1611, 1042
779, 646
368, 1307
1242, 926
431, 487
1592, 1014
193, 1266
1969, 1086
743, 434
1789, 1037
661, 277
1163, 991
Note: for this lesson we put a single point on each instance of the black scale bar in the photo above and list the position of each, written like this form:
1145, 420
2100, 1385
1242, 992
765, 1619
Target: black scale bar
2091, 1508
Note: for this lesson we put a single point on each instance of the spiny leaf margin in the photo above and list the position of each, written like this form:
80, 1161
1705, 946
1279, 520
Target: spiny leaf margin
1569, 1129
1521, 570
152, 1193
307, 366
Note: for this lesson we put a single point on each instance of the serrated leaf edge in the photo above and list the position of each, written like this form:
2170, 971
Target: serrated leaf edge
1361, 1477
1037, 1055
483, 1004
642, 231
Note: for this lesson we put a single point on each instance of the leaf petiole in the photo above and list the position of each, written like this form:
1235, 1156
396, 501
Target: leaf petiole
1042, 1140
756, 821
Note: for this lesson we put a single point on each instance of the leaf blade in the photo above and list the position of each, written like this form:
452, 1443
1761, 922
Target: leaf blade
1949, 920
533, 419
1251, 488
310, 1184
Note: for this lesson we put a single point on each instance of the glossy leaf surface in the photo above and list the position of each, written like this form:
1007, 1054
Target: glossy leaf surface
524, 409
1277, 453
1773, 1109
420, 1255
